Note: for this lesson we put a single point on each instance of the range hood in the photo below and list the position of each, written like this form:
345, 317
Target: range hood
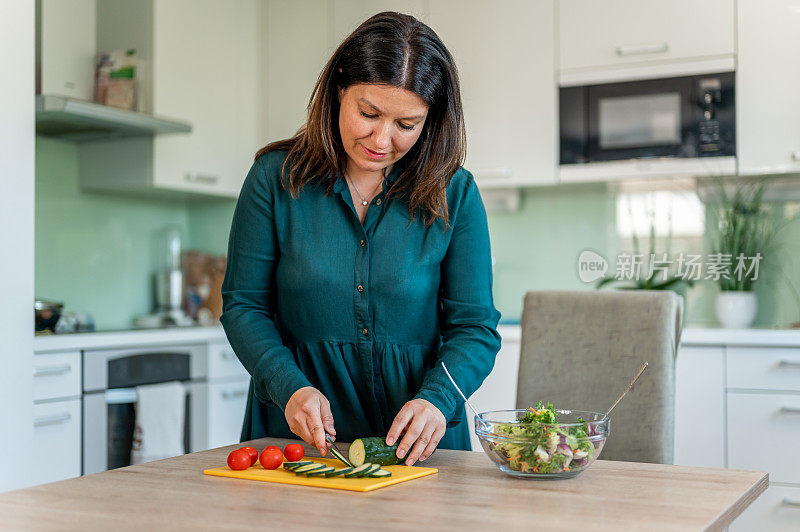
82, 121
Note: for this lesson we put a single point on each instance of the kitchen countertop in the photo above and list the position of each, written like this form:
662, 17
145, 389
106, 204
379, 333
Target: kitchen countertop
708, 336
121, 339
467, 493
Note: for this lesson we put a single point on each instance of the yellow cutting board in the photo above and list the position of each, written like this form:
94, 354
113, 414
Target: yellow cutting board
400, 473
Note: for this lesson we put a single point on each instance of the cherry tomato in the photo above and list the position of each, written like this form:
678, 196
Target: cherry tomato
253, 454
239, 460
294, 452
271, 458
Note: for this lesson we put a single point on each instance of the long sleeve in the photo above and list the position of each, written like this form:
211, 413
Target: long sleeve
467, 316
248, 291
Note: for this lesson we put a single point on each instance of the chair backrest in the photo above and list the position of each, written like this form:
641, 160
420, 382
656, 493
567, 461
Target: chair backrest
581, 349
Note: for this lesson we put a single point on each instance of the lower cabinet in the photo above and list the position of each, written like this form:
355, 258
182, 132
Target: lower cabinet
226, 404
57, 436
776, 510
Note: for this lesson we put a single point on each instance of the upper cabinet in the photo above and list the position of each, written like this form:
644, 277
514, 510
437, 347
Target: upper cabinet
505, 54
597, 34
200, 63
767, 82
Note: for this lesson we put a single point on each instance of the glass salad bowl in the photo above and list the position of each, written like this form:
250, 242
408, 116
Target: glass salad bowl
525, 448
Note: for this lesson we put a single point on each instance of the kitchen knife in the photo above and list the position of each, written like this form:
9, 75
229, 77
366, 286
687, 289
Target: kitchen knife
335, 452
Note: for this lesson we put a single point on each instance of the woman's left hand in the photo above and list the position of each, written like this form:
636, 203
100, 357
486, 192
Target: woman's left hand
424, 426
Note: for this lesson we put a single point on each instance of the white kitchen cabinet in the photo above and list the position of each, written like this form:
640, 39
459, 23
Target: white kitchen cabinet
699, 406
607, 34
499, 390
767, 81
200, 62
56, 375
776, 510
505, 54
66, 51
226, 405
56, 441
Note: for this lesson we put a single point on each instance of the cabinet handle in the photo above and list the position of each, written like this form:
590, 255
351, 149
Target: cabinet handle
639, 49
788, 364
43, 371
790, 503
233, 395
51, 420
206, 179
796, 155
228, 355
789, 410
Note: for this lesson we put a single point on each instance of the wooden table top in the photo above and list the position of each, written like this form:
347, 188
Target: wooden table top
469, 492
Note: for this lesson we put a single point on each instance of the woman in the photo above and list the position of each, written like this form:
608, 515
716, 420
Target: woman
359, 256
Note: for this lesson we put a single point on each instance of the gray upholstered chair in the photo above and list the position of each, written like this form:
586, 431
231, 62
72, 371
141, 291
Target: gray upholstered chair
581, 349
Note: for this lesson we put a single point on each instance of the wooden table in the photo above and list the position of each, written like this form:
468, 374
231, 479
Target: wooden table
468, 493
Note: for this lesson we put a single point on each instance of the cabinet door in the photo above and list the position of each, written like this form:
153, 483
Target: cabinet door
699, 408
603, 33
505, 54
206, 70
499, 390
776, 510
226, 404
767, 81
57, 436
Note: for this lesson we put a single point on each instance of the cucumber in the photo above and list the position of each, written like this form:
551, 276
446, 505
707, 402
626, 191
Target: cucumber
339, 472
374, 468
357, 471
308, 468
293, 465
318, 472
373, 450
380, 473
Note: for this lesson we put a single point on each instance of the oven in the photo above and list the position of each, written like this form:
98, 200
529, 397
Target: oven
109, 398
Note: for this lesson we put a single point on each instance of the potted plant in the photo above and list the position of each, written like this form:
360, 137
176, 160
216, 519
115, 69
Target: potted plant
744, 243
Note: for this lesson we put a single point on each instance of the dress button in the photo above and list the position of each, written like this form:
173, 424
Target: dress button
363, 243
365, 332
360, 288
378, 201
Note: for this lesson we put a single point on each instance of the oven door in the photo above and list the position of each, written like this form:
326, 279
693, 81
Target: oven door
109, 399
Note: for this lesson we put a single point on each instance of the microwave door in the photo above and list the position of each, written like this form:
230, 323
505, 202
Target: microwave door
640, 119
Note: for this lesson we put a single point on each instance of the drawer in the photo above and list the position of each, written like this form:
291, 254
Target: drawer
776, 510
764, 368
223, 362
226, 405
56, 375
763, 431
57, 436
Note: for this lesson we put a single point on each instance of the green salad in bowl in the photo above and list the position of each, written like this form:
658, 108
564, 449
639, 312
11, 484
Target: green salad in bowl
542, 442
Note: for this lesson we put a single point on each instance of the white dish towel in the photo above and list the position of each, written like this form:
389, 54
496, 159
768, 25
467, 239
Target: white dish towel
158, 432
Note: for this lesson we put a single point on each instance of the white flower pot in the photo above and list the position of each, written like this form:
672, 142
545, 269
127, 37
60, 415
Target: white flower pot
736, 310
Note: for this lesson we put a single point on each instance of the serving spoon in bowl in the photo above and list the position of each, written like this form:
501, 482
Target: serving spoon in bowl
477, 415
636, 378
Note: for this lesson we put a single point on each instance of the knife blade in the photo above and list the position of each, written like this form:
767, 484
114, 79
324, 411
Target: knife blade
335, 452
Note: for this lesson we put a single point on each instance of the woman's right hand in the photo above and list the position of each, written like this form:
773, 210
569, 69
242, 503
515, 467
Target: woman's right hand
308, 413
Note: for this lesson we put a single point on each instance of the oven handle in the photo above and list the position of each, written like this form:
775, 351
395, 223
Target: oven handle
121, 396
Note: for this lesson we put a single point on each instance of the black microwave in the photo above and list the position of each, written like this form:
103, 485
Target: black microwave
681, 117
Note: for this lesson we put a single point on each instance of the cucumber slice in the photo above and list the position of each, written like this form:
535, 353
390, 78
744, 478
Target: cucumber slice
373, 450
357, 471
335, 452
294, 465
372, 469
381, 473
339, 472
319, 472
308, 468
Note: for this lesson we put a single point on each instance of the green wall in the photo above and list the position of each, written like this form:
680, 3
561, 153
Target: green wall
95, 251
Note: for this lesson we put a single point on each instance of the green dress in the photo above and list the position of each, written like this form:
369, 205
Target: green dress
362, 312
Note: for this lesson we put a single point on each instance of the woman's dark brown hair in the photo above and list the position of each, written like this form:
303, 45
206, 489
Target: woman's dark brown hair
392, 49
